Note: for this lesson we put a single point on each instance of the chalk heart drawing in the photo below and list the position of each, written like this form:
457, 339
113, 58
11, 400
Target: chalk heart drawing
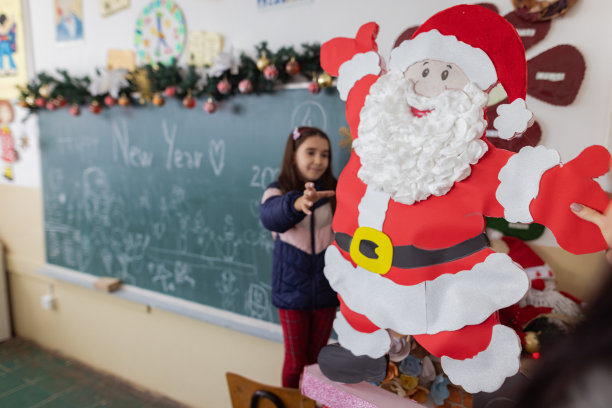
216, 154
254, 207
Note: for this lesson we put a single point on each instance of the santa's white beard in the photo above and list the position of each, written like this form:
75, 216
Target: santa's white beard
550, 297
409, 157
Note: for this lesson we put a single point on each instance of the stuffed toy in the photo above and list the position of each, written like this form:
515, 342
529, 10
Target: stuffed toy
545, 314
410, 255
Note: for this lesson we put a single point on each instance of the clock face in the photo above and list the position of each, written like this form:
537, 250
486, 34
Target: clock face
160, 33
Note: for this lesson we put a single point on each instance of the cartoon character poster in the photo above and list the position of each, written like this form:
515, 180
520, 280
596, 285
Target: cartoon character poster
68, 20
12, 53
19, 154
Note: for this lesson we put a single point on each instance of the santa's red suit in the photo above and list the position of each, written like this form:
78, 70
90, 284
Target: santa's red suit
425, 268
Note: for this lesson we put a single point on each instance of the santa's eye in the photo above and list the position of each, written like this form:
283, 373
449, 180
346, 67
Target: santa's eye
425, 72
444, 75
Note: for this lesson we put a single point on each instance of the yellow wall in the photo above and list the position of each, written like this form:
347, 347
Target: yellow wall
182, 358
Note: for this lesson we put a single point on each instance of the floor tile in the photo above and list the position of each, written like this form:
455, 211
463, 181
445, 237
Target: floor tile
32, 377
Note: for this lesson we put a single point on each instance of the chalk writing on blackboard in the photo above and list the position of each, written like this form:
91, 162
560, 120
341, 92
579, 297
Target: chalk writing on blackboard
309, 113
168, 200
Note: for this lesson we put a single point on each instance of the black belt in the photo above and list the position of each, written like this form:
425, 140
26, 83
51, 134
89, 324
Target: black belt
409, 256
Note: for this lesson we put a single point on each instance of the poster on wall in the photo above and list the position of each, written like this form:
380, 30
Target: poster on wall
12, 53
68, 21
19, 153
108, 7
274, 4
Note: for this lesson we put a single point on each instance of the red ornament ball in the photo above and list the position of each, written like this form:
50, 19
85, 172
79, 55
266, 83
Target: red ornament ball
314, 88
210, 106
189, 102
224, 87
50, 105
95, 108
170, 91
292, 67
109, 101
60, 102
270, 72
75, 110
40, 102
245, 86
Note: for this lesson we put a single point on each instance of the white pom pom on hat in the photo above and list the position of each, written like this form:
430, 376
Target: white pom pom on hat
488, 50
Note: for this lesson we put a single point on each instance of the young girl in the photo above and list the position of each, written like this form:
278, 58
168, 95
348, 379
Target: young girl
298, 209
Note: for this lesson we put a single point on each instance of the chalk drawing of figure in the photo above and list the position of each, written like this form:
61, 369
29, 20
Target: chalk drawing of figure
257, 302
7, 44
204, 234
226, 286
228, 243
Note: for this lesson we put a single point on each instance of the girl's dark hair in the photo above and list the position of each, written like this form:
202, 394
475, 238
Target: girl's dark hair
289, 179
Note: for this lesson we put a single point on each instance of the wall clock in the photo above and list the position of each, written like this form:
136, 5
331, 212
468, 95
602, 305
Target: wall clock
160, 33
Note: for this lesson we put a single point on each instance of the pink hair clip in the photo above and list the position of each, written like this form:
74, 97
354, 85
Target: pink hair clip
296, 133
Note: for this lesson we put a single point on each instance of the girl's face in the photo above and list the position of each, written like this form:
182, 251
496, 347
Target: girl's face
312, 158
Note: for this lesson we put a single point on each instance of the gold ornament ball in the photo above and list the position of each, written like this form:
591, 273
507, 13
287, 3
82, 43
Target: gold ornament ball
324, 80
30, 100
532, 343
44, 91
262, 62
124, 100
158, 100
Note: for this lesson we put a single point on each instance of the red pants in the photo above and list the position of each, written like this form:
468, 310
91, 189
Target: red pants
305, 333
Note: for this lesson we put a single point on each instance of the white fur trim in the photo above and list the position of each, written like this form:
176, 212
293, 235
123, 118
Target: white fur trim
375, 344
449, 302
488, 369
373, 208
433, 45
512, 119
383, 301
469, 297
520, 181
356, 68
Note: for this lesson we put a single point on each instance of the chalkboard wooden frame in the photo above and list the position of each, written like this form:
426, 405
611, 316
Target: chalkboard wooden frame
197, 311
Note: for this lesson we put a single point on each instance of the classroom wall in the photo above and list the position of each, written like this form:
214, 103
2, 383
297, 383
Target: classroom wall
186, 359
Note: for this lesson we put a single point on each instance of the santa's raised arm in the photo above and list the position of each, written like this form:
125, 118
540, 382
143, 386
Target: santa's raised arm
410, 254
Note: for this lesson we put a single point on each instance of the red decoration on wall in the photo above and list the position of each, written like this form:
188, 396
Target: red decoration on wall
555, 76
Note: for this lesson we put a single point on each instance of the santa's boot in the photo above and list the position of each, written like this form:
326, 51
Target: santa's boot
487, 370
339, 364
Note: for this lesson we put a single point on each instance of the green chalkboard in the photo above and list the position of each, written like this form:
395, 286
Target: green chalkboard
167, 199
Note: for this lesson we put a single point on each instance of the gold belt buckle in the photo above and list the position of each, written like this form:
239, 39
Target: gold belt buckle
384, 250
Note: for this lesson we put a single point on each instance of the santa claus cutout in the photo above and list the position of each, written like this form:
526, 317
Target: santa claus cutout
410, 254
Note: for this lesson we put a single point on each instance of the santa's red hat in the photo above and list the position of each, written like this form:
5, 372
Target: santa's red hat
522, 254
488, 50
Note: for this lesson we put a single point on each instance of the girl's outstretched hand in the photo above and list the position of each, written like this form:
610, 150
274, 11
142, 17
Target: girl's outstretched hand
603, 221
310, 196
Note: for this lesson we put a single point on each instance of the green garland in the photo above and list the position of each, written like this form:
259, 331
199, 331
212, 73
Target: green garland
49, 92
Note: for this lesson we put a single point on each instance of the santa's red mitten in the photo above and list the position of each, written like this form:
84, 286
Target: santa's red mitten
351, 59
573, 182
